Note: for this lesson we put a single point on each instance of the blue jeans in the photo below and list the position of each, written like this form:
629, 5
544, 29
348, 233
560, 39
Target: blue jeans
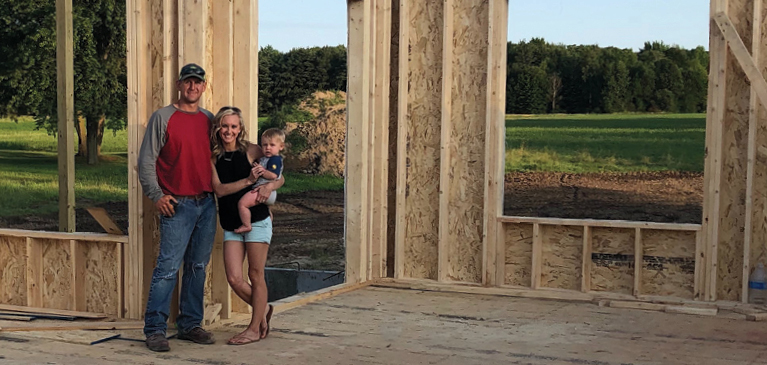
187, 236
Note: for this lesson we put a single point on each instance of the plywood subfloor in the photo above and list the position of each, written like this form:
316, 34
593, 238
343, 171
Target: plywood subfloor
388, 326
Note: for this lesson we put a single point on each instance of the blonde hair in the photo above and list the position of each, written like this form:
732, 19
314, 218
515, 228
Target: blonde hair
217, 145
274, 133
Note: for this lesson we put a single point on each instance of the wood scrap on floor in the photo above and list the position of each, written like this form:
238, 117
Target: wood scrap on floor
212, 313
49, 311
37, 316
16, 318
668, 308
8, 326
81, 337
637, 305
686, 309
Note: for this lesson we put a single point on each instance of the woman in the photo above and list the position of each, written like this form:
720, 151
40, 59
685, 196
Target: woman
233, 175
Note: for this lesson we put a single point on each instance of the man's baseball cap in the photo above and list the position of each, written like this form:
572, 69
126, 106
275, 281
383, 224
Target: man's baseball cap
191, 70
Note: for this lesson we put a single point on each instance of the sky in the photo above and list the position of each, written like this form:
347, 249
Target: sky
288, 24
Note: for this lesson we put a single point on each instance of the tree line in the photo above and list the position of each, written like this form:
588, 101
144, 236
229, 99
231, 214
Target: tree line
552, 78
541, 77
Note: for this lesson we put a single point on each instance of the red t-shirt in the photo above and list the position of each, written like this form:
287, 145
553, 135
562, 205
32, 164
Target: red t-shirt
175, 154
183, 166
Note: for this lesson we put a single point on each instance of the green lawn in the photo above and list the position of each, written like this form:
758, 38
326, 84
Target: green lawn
573, 143
605, 143
29, 172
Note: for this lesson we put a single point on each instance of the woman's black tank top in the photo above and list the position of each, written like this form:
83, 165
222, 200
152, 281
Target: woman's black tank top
229, 170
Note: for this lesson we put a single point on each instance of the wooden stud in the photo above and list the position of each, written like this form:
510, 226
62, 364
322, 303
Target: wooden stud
380, 137
370, 168
495, 136
245, 63
402, 119
713, 165
537, 257
170, 34
753, 111
133, 183
34, 273
700, 265
586, 266
120, 280
223, 76
443, 266
638, 262
356, 191
78, 259
500, 256
66, 114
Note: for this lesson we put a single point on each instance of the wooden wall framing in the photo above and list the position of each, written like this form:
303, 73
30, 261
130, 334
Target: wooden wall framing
69, 271
449, 131
427, 77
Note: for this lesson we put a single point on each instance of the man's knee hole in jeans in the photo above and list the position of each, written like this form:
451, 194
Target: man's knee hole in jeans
194, 267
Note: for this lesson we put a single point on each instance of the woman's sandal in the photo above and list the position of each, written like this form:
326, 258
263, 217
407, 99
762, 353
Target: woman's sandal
268, 319
236, 340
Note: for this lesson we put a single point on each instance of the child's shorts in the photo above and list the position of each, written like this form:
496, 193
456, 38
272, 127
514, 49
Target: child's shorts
261, 232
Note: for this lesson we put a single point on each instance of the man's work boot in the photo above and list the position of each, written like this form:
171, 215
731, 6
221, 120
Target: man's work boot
157, 342
197, 335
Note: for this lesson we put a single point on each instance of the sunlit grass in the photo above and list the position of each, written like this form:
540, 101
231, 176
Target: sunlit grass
605, 143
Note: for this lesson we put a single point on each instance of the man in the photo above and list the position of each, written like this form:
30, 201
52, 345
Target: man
174, 170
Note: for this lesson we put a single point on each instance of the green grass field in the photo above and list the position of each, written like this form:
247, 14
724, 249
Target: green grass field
605, 143
573, 143
29, 172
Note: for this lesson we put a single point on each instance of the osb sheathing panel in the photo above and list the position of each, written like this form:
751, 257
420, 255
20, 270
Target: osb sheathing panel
13, 270
759, 218
612, 268
423, 139
669, 263
57, 274
393, 115
465, 193
562, 249
519, 254
734, 153
101, 274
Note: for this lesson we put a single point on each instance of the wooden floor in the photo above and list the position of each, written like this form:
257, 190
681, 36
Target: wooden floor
393, 326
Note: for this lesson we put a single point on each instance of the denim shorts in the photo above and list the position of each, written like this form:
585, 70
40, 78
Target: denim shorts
261, 232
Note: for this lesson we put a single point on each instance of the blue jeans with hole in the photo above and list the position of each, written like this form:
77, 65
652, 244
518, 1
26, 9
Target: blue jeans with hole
187, 236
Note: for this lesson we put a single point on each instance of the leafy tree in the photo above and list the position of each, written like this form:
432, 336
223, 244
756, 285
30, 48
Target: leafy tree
99, 66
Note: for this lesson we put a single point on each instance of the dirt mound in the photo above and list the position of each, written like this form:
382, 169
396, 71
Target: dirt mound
317, 145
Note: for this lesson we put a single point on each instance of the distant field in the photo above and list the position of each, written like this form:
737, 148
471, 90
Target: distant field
575, 143
29, 172
605, 143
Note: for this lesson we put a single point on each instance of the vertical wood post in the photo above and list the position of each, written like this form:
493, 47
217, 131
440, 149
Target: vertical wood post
66, 114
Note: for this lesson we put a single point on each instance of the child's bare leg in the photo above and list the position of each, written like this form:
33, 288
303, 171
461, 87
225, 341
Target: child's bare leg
246, 202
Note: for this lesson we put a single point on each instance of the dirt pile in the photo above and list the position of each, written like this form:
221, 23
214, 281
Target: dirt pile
317, 145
